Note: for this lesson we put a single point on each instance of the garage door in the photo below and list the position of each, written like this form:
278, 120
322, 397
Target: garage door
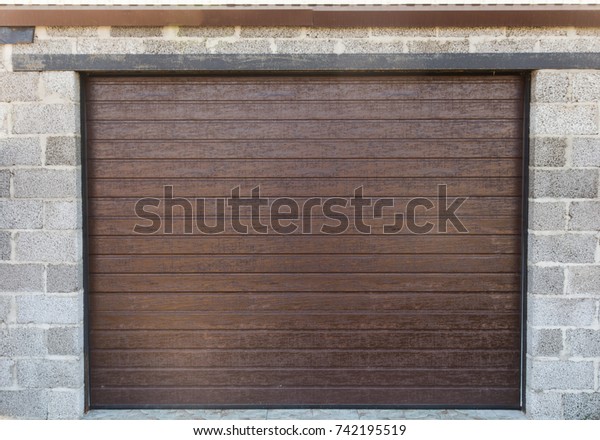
412, 304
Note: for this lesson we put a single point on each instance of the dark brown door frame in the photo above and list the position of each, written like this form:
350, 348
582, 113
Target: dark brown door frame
525, 73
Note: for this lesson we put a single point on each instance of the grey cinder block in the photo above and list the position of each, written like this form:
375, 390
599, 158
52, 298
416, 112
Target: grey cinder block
586, 151
582, 406
572, 183
62, 215
207, 31
64, 278
562, 248
5, 183
20, 214
564, 119
23, 341
584, 216
546, 280
544, 342
5, 309
135, 32
61, 85
21, 277
586, 86
544, 405
583, 342
43, 183
48, 246
65, 404
553, 311
65, 341
548, 216
561, 375
19, 86
45, 309
550, 86
36, 118
547, 151
6, 373
47, 373
20, 151
5, 245
24, 404
63, 150
584, 280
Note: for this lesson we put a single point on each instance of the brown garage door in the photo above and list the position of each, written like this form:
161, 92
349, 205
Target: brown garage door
397, 316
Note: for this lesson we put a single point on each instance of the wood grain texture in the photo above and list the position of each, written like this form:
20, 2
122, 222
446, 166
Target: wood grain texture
306, 244
155, 264
318, 396
266, 319
311, 110
305, 339
473, 206
124, 226
306, 149
323, 187
305, 301
354, 168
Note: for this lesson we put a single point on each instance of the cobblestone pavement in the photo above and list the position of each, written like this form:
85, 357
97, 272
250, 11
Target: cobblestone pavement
304, 414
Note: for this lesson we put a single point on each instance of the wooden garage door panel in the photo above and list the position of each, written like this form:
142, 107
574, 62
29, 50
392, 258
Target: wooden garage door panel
313, 301
306, 244
475, 206
428, 263
320, 110
306, 339
214, 377
306, 88
306, 149
335, 168
497, 225
337, 397
285, 320
408, 187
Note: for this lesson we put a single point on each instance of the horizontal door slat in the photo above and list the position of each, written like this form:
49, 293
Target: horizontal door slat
345, 187
303, 110
358, 322
306, 244
181, 226
349, 378
302, 339
253, 397
305, 149
470, 206
304, 301
366, 168
305, 263
330, 129
306, 359
246, 282
303, 89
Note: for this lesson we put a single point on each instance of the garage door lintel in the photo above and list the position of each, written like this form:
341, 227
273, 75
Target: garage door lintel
306, 62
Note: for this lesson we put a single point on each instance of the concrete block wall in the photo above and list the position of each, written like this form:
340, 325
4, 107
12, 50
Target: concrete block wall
290, 40
563, 372
41, 349
41, 307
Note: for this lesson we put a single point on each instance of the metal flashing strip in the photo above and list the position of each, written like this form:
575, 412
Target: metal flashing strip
326, 16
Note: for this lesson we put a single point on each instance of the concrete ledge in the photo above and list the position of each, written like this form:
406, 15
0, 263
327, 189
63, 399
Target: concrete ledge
303, 414
305, 62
